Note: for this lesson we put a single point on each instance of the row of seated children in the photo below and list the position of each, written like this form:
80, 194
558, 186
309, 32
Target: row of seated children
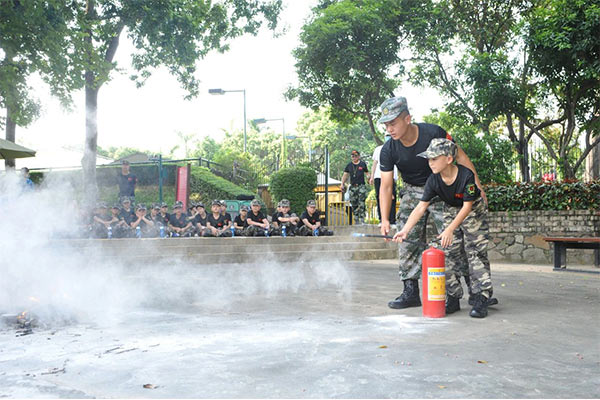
124, 222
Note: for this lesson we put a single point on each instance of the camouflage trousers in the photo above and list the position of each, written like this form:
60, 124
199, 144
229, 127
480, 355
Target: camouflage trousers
358, 195
470, 241
409, 255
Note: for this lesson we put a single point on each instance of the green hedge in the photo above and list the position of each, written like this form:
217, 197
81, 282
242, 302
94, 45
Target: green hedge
206, 186
297, 184
566, 195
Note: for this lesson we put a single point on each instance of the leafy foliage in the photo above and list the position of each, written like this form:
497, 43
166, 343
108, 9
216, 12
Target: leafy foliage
490, 153
297, 184
348, 51
565, 195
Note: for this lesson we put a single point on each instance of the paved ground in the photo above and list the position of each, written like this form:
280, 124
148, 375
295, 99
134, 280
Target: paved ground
319, 331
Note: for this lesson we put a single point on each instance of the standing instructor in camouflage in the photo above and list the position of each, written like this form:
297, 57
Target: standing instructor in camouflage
356, 170
408, 140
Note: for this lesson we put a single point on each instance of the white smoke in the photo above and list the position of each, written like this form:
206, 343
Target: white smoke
59, 284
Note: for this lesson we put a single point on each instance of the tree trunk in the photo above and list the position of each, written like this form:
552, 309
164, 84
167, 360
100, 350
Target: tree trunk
11, 128
88, 162
523, 151
373, 131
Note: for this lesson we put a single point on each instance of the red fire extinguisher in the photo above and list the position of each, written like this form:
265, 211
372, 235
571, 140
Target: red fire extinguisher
434, 283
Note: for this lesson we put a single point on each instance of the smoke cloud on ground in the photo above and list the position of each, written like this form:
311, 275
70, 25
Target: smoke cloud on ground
61, 285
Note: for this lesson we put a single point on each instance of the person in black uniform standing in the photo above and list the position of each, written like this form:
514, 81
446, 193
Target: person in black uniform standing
126, 181
356, 170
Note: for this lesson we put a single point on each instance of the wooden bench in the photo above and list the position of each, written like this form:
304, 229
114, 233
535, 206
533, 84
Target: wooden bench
562, 243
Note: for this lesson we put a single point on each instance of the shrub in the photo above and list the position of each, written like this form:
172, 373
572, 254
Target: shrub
297, 184
566, 195
206, 186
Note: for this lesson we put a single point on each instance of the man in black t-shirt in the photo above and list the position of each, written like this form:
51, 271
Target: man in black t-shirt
258, 224
466, 228
408, 140
216, 224
310, 222
126, 181
356, 170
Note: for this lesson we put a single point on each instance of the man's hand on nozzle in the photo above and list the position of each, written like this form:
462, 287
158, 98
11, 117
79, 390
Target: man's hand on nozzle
400, 236
385, 228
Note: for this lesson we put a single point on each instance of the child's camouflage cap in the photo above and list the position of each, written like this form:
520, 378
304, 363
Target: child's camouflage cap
439, 147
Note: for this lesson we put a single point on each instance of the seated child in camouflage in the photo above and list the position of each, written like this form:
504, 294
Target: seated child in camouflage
228, 219
164, 214
310, 222
178, 222
286, 218
118, 225
240, 223
128, 215
465, 219
147, 226
100, 222
274, 222
200, 220
216, 223
258, 224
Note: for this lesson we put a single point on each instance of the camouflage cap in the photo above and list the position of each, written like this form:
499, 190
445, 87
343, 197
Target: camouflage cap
255, 202
439, 147
141, 207
311, 203
215, 203
223, 203
200, 204
177, 204
156, 206
163, 204
115, 206
285, 203
391, 108
101, 205
244, 208
125, 199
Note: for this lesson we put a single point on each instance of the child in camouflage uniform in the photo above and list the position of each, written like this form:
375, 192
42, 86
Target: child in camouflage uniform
465, 221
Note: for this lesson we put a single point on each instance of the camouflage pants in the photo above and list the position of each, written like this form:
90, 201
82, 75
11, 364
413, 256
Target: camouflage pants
409, 255
470, 241
358, 195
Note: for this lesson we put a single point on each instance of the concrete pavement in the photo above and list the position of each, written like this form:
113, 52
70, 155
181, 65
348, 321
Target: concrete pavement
320, 330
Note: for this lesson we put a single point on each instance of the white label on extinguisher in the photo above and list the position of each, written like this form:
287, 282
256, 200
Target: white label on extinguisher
436, 284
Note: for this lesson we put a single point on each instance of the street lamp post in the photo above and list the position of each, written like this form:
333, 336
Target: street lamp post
292, 137
222, 92
262, 121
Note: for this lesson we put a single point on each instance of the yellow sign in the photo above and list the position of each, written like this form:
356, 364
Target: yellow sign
436, 284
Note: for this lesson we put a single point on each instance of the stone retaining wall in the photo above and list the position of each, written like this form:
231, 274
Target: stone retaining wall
517, 236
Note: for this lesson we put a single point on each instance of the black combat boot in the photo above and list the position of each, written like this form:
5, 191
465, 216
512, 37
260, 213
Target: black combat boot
410, 297
452, 304
480, 306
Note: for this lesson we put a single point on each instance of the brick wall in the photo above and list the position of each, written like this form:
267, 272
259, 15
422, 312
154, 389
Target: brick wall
516, 236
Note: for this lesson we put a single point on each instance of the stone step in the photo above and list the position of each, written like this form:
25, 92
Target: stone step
138, 260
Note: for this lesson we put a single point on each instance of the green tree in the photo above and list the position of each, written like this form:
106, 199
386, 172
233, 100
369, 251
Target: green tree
490, 153
564, 40
347, 53
171, 33
206, 148
297, 184
33, 36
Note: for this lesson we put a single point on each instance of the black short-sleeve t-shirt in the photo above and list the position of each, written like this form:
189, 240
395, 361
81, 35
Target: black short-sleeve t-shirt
127, 184
180, 222
198, 219
218, 223
241, 222
462, 189
413, 169
313, 219
357, 172
275, 217
128, 216
256, 218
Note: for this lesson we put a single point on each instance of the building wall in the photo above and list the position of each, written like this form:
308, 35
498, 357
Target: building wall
517, 236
